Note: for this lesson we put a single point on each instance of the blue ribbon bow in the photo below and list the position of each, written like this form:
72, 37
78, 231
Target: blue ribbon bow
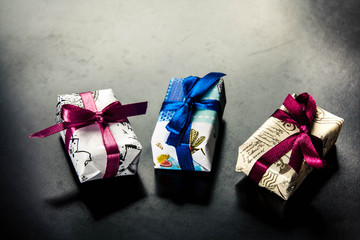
180, 124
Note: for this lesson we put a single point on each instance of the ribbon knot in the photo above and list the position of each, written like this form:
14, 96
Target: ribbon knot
189, 101
301, 112
304, 129
99, 117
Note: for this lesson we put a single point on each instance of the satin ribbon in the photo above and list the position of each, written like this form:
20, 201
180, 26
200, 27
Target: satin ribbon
301, 113
75, 117
180, 124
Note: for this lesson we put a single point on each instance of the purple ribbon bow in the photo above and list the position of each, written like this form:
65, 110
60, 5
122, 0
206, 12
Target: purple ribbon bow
301, 113
75, 117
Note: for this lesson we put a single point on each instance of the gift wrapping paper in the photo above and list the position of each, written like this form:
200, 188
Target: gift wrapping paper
86, 147
203, 134
280, 178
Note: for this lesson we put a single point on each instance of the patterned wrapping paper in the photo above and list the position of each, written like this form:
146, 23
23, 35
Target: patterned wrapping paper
280, 178
203, 134
86, 148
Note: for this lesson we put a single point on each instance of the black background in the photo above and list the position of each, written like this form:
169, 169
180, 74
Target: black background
267, 49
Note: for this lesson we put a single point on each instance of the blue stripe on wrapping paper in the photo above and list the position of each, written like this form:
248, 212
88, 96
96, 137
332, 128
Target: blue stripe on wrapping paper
166, 116
174, 93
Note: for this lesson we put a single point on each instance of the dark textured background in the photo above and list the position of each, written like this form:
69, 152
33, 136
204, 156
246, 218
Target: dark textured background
267, 49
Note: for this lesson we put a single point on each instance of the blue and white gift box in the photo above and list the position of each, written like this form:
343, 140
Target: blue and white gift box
188, 125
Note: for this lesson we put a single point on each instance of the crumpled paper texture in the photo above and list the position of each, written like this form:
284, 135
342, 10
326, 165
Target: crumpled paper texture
86, 149
280, 178
204, 130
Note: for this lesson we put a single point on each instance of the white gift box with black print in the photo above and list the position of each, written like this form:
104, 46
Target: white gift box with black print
86, 148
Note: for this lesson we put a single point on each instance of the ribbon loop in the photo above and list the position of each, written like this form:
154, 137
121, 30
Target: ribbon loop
72, 113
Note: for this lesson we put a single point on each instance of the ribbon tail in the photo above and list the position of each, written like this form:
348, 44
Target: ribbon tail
135, 109
296, 158
50, 130
57, 128
179, 120
310, 154
304, 149
116, 112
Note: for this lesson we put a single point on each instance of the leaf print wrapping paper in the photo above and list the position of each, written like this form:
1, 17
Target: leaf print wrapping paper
203, 134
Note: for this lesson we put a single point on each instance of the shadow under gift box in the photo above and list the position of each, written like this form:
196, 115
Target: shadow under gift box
203, 134
280, 177
86, 147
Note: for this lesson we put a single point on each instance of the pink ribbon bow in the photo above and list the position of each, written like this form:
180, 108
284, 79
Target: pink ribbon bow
301, 113
75, 117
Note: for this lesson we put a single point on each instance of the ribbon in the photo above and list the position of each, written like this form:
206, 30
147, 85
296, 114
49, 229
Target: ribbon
301, 113
75, 117
180, 124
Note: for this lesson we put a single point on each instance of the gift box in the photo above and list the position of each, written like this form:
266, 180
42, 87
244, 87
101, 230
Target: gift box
97, 134
289, 145
188, 125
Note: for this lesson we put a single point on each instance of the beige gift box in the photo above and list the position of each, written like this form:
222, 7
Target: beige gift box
280, 178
